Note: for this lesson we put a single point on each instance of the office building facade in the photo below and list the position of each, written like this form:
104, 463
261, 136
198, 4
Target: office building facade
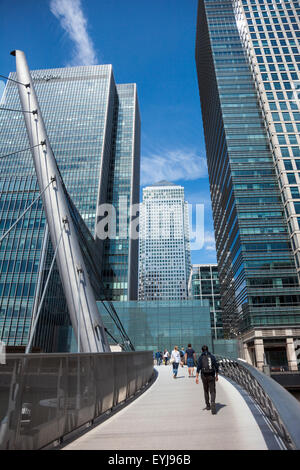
93, 126
247, 57
164, 254
204, 285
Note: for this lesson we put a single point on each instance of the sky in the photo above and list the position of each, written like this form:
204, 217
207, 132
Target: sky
150, 43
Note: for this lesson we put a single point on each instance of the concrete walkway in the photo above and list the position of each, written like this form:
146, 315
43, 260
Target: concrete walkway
171, 415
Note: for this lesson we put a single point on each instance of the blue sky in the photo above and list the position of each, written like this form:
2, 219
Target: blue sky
151, 43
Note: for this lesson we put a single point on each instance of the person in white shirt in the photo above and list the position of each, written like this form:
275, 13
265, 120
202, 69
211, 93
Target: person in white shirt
175, 359
166, 356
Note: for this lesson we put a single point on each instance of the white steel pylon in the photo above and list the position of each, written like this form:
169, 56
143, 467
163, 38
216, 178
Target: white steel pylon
84, 314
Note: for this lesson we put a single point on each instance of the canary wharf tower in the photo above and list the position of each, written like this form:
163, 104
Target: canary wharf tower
93, 127
165, 259
248, 59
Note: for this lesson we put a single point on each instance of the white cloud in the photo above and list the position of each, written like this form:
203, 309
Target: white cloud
72, 20
210, 247
209, 237
209, 241
172, 165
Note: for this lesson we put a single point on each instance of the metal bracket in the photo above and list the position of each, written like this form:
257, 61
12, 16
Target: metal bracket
79, 269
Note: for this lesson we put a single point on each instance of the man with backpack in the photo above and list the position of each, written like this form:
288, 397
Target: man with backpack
209, 368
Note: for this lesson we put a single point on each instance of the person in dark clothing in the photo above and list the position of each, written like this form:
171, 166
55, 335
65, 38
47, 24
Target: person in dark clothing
190, 359
182, 354
209, 368
158, 356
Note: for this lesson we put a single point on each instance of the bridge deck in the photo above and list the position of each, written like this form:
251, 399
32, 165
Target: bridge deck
171, 415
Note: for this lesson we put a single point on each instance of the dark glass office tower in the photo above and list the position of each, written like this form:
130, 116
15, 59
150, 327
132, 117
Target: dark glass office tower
257, 262
120, 267
204, 285
93, 126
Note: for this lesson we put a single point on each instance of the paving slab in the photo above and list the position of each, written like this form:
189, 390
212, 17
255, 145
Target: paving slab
171, 415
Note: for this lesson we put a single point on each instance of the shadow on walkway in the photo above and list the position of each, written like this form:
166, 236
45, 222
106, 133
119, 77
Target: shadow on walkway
272, 442
219, 406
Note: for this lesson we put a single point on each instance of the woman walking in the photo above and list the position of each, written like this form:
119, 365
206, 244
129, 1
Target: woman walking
190, 359
166, 356
175, 359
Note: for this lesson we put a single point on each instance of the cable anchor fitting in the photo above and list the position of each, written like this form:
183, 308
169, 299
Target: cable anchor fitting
79, 269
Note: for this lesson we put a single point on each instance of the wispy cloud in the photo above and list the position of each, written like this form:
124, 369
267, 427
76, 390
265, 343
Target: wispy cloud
72, 20
209, 241
172, 165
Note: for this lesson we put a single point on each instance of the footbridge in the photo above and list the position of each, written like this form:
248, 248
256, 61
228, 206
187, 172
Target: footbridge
172, 415
117, 401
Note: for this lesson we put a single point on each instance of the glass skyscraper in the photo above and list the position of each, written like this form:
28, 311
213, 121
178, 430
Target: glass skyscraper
204, 285
247, 56
164, 254
94, 127
120, 261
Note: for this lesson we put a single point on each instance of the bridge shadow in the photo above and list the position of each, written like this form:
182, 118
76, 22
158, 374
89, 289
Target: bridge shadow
260, 418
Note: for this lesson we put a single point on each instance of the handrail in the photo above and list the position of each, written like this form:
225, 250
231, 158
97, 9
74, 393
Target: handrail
282, 409
45, 398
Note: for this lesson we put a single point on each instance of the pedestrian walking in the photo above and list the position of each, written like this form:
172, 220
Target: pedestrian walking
209, 368
175, 360
158, 356
182, 355
166, 356
190, 359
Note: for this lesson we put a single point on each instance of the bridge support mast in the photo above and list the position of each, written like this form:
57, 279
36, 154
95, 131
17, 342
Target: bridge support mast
84, 314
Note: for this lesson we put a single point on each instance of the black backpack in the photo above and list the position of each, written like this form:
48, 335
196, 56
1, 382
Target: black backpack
207, 365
